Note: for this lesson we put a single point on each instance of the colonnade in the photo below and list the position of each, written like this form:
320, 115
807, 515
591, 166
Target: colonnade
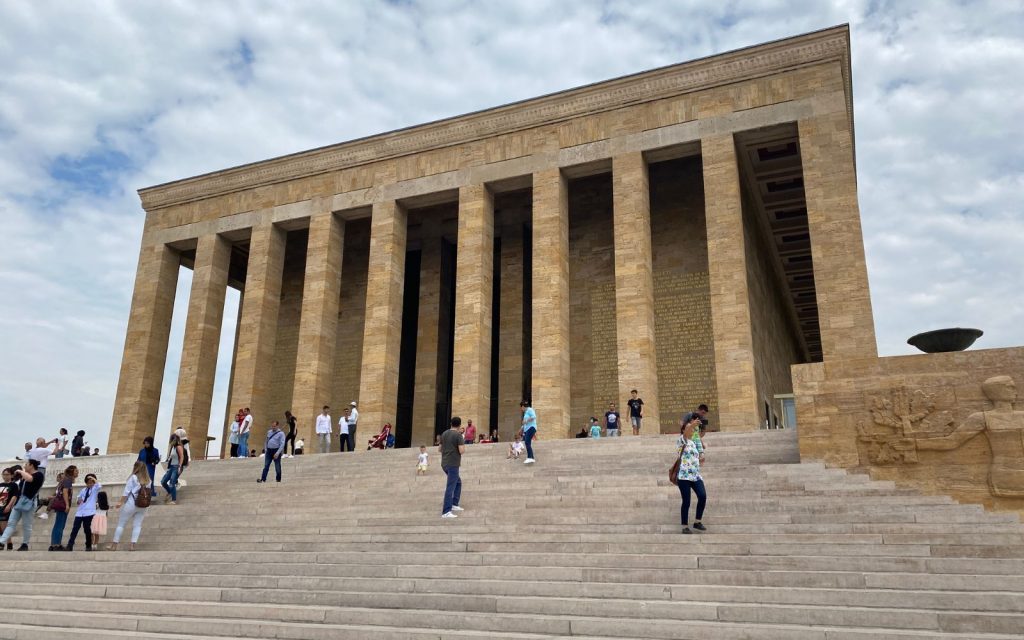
828, 192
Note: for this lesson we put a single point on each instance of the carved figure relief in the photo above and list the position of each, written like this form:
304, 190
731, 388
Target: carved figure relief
908, 421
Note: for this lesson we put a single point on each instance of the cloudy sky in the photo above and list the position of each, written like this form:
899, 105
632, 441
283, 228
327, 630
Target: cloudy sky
98, 99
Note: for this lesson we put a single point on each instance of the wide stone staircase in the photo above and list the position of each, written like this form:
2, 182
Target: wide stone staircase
584, 544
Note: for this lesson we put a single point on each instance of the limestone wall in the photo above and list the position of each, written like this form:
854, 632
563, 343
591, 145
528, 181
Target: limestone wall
889, 415
682, 302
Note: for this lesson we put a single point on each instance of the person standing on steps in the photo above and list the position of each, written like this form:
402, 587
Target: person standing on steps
244, 430
529, 430
290, 437
343, 439
612, 420
323, 430
273, 448
353, 422
636, 411
31, 482
86, 512
236, 424
174, 460
689, 477
62, 444
133, 505
150, 456
453, 445
470, 432
61, 505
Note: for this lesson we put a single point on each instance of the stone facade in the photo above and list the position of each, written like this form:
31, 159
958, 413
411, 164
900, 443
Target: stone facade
567, 249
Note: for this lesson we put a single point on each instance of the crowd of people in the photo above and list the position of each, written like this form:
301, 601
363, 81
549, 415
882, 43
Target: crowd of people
20, 489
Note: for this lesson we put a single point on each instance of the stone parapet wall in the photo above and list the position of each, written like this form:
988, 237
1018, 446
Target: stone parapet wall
923, 421
110, 470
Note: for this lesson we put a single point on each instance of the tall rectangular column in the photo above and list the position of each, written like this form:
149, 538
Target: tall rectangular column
257, 331
837, 243
318, 323
550, 284
382, 333
634, 288
474, 281
727, 275
510, 356
202, 338
424, 406
145, 349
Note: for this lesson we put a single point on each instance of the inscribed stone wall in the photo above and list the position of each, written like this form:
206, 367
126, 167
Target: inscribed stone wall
282, 373
349, 354
593, 352
682, 302
775, 341
894, 416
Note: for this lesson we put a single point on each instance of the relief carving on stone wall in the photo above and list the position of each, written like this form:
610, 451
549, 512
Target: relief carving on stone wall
905, 423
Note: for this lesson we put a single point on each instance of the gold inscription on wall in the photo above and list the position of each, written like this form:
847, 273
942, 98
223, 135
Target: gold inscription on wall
686, 357
603, 345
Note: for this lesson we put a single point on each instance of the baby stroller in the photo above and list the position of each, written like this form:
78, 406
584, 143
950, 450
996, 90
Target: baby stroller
380, 440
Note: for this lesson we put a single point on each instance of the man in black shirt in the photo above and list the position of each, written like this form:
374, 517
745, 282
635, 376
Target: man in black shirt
31, 482
636, 411
453, 445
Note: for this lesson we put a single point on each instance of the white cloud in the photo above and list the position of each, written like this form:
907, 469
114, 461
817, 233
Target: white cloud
114, 96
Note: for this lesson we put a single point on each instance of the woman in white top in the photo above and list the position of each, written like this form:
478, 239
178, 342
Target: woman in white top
129, 510
85, 512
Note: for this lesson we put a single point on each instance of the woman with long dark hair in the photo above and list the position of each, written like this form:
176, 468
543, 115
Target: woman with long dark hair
175, 457
689, 477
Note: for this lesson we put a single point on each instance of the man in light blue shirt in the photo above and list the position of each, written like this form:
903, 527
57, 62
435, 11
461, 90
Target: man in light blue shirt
529, 429
272, 451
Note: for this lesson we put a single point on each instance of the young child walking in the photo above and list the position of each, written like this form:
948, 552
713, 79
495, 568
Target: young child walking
99, 521
86, 512
421, 461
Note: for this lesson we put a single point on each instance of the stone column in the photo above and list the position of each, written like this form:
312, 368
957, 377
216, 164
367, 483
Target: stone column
424, 404
145, 349
634, 289
257, 331
727, 275
474, 280
837, 243
382, 332
318, 324
510, 356
550, 284
202, 339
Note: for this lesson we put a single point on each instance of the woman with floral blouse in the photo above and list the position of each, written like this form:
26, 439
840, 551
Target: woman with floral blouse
689, 476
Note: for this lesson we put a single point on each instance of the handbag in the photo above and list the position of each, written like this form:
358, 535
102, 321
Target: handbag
57, 502
25, 504
673, 472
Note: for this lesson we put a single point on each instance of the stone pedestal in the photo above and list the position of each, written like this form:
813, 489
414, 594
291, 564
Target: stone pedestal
318, 326
202, 338
634, 290
474, 273
145, 349
550, 284
727, 275
382, 332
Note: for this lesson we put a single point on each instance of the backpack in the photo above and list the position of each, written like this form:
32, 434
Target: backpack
143, 498
102, 501
186, 457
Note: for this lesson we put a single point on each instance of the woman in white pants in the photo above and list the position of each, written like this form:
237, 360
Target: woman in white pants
135, 483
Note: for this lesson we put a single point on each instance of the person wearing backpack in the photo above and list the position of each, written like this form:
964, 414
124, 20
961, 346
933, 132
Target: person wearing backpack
133, 505
149, 455
174, 461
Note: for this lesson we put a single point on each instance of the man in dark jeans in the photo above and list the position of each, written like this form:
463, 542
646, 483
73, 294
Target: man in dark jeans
453, 445
273, 449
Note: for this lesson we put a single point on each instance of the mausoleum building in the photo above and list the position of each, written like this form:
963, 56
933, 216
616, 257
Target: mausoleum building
690, 232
